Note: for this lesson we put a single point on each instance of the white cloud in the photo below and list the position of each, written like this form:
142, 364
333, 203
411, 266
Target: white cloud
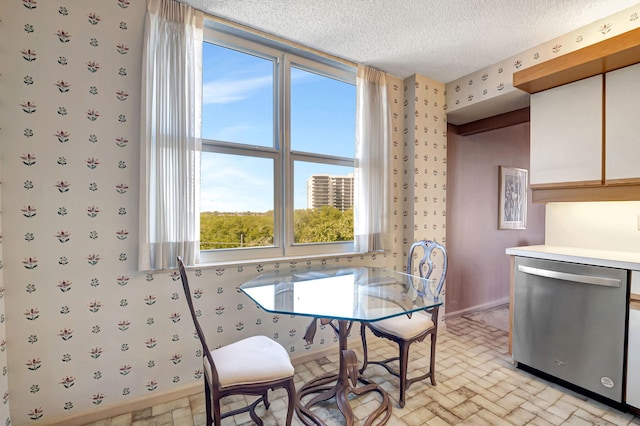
226, 91
226, 188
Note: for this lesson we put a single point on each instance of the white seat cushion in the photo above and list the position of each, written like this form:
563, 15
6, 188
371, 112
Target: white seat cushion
404, 327
252, 360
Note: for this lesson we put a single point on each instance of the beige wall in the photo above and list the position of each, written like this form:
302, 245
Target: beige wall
479, 268
601, 225
424, 172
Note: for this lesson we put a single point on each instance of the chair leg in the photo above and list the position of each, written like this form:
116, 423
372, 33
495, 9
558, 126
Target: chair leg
404, 361
363, 337
207, 401
265, 399
291, 391
217, 417
432, 361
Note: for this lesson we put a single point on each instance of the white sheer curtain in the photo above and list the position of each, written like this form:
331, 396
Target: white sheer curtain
170, 125
372, 160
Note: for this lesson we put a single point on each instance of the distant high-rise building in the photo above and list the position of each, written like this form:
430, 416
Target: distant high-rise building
327, 190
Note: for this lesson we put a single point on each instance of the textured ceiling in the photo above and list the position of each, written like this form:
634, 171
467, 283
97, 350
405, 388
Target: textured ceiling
443, 40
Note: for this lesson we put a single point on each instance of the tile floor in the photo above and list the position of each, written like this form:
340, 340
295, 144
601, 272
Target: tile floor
477, 385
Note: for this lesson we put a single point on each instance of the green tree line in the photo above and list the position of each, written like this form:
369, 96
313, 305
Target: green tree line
249, 229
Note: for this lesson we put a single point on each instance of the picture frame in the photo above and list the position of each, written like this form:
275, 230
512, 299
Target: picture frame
512, 211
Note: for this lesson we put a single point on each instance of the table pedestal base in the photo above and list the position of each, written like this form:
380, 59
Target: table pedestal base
346, 381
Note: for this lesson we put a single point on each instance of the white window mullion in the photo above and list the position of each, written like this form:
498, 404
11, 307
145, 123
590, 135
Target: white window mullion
281, 160
287, 159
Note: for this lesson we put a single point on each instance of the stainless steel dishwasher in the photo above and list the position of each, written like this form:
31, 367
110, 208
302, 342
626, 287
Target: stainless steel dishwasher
569, 322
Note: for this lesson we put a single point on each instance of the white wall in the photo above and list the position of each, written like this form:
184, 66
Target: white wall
596, 225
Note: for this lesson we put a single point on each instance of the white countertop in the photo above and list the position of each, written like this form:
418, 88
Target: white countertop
608, 258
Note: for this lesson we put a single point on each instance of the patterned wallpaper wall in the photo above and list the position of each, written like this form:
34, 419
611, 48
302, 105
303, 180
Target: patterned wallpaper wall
424, 177
76, 318
4, 383
496, 80
419, 164
395, 97
84, 328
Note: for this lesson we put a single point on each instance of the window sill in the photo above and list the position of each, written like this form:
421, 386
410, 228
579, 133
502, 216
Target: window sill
287, 259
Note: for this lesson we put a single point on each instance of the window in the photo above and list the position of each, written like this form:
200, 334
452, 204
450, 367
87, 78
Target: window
278, 135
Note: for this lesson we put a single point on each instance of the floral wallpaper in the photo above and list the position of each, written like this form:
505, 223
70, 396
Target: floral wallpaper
497, 80
424, 174
84, 329
70, 76
4, 383
395, 98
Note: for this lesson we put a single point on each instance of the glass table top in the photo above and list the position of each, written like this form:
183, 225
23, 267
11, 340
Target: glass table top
347, 293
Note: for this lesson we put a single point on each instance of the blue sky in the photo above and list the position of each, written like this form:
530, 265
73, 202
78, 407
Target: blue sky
238, 107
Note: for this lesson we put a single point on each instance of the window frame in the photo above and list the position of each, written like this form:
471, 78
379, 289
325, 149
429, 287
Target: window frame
284, 57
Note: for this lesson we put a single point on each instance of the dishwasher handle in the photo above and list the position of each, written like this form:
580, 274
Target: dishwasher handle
578, 278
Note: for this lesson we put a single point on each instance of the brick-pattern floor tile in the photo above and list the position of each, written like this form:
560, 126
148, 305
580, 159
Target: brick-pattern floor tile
477, 384
520, 416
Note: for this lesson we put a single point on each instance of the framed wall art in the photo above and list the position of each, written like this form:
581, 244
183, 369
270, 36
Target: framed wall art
512, 211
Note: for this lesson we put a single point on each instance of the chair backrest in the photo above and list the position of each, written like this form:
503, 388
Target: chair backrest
430, 250
203, 341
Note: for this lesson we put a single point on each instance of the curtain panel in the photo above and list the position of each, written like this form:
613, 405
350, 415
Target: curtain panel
373, 156
169, 136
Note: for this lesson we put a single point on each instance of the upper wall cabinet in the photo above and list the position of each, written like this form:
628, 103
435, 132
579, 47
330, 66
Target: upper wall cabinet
622, 109
566, 135
585, 122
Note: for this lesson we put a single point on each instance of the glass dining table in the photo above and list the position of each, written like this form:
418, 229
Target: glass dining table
339, 296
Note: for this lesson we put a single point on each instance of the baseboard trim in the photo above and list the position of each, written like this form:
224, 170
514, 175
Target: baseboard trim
123, 407
141, 403
476, 308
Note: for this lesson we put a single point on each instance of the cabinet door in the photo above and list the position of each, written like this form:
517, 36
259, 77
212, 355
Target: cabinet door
566, 134
623, 123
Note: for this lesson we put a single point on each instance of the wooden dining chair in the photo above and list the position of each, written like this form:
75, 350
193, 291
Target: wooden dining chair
406, 331
251, 366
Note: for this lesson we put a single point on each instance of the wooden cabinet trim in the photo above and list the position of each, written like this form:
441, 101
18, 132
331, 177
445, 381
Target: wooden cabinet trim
620, 182
629, 192
598, 58
567, 185
500, 121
